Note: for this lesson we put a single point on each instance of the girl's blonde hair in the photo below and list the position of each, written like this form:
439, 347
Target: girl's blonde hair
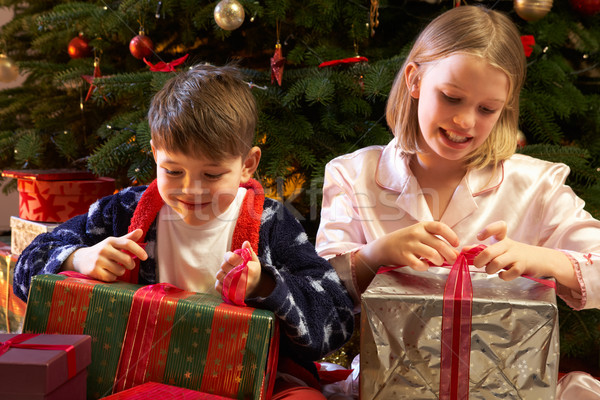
471, 30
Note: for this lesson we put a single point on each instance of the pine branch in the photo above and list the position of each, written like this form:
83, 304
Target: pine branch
29, 149
112, 155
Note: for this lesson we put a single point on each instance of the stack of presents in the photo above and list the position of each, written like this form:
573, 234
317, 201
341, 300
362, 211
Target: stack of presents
447, 334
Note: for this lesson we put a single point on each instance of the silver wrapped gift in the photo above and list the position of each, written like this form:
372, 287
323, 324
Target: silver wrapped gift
514, 337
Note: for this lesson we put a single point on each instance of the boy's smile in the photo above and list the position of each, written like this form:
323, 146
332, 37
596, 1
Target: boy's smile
200, 189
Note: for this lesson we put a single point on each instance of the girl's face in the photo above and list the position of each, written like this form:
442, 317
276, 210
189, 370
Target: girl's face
460, 99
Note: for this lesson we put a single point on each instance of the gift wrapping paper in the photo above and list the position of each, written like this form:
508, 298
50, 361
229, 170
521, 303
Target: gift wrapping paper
56, 195
514, 348
154, 390
12, 309
22, 232
179, 338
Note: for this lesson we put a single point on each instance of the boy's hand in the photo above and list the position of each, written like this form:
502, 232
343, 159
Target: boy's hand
257, 284
109, 258
511, 259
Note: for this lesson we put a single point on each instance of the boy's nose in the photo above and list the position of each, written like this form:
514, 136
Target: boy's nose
193, 187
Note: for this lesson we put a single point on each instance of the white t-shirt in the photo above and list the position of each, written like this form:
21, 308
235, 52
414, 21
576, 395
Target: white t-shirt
190, 256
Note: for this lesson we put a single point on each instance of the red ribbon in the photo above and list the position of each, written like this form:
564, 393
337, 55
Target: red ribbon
234, 283
141, 326
456, 328
17, 342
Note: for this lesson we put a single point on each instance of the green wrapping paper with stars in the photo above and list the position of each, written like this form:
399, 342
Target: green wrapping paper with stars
159, 333
514, 348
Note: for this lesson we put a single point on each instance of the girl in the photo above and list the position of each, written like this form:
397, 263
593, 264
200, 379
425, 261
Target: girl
450, 177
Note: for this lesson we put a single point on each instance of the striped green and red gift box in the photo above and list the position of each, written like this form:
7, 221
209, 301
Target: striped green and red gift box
159, 333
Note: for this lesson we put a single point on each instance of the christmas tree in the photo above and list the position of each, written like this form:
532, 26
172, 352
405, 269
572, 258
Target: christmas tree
321, 71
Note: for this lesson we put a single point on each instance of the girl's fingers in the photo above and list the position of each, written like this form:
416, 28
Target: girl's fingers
417, 264
443, 232
440, 251
497, 230
509, 274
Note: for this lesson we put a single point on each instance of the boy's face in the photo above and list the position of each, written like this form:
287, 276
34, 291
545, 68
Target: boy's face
198, 188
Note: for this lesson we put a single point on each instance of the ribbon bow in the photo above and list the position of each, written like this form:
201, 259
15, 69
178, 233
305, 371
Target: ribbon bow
162, 66
234, 284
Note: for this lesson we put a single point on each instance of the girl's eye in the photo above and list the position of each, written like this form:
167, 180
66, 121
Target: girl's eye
450, 98
213, 176
486, 110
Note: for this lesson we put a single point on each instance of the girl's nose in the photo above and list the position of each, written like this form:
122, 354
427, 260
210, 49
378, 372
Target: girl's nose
464, 119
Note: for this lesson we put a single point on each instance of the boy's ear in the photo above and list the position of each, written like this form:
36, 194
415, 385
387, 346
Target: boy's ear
153, 150
411, 78
250, 164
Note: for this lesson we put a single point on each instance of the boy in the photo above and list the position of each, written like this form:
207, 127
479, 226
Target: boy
202, 204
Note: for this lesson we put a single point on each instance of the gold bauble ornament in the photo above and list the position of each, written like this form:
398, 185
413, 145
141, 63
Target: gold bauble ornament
229, 14
8, 69
532, 10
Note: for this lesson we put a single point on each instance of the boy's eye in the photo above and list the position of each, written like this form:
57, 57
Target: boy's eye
171, 172
213, 176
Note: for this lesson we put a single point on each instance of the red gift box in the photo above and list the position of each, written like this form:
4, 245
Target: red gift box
58, 195
12, 309
154, 390
48, 367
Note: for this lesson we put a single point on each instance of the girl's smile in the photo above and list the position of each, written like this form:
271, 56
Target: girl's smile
454, 137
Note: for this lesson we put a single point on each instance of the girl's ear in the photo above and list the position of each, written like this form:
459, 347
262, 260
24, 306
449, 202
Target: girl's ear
250, 164
411, 77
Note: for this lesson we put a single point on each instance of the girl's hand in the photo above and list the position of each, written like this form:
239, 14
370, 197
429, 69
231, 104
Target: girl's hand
109, 258
511, 259
413, 246
257, 282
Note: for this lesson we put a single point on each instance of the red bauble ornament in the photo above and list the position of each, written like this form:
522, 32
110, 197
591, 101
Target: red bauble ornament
141, 46
79, 47
586, 7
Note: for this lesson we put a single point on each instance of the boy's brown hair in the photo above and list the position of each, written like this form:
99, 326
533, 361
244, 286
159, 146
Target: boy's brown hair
204, 110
